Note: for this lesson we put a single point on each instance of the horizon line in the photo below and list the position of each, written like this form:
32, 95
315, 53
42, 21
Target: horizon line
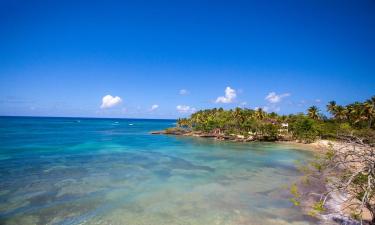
87, 117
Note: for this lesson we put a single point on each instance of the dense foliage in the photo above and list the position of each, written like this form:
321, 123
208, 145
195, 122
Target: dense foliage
358, 118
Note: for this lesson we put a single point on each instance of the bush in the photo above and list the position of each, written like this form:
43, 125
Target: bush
305, 129
270, 132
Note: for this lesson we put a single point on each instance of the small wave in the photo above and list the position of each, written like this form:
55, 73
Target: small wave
130, 124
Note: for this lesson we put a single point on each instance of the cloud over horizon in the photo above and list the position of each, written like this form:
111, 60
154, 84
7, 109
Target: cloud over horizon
230, 95
109, 101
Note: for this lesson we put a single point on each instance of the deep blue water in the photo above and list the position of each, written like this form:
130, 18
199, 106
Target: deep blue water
112, 171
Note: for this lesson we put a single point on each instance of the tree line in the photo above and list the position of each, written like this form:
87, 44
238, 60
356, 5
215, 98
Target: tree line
357, 117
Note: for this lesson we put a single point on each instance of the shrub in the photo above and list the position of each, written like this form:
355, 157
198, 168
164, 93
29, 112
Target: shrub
305, 129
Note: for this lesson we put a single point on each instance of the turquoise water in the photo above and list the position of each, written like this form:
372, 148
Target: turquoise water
112, 171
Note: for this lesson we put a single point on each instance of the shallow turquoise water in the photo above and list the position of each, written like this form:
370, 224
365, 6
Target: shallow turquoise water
112, 171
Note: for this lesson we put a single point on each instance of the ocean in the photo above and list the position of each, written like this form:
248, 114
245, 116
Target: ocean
112, 171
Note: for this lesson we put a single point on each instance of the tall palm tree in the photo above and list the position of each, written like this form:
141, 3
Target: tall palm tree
260, 114
369, 110
313, 112
240, 116
355, 112
340, 113
273, 115
331, 107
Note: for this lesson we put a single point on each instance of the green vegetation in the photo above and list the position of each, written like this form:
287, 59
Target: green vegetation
357, 118
296, 195
317, 208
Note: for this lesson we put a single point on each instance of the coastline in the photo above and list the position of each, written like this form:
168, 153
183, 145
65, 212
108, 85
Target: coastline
334, 212
319, 146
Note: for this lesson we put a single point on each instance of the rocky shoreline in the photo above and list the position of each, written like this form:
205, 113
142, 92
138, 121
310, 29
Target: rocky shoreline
334, 213
218, 136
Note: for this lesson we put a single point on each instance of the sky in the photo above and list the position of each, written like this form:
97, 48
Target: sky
167, 59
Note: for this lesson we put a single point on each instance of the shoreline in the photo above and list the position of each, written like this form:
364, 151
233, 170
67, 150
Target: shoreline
319, 146
334, 213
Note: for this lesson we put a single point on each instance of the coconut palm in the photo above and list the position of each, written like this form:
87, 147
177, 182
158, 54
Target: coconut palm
369, 110
356, 113
313, 112
238, 115
260, 114
331, 107
340, 113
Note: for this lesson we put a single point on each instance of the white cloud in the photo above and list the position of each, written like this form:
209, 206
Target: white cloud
183, 92
318, 100
109, 101
154, 107
273, 98
185, 109
230, 95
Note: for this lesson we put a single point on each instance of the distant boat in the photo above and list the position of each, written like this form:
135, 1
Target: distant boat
130, 124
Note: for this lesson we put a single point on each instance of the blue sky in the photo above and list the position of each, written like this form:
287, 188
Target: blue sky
60, 58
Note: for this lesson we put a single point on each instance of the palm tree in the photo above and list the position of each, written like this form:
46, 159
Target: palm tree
260, 114
313, 112
340, 113
369, 110
273, 115
331, 107
355, 113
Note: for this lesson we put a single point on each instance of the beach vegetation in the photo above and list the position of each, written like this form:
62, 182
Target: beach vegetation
357, 118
